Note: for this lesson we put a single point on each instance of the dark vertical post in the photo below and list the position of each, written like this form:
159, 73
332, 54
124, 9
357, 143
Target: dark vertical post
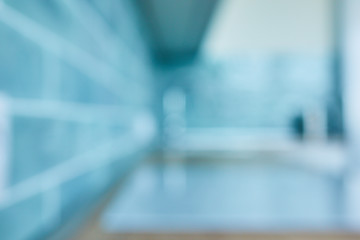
335, 108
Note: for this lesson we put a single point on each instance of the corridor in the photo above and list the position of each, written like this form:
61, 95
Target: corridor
179, 119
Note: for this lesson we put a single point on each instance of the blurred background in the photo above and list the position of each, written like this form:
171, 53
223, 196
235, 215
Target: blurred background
179, 119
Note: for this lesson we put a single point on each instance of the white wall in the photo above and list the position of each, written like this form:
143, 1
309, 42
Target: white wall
4, 144
352, 71
352, 104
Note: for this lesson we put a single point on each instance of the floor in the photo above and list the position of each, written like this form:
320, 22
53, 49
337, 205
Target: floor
92, 231
237, 197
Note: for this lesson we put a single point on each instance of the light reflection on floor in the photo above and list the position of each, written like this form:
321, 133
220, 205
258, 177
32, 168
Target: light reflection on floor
231, 194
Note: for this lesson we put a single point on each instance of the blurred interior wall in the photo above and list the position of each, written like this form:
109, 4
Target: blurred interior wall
263, 64
78, 78
352, 72
351, 46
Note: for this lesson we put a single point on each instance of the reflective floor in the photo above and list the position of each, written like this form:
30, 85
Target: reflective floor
236, 192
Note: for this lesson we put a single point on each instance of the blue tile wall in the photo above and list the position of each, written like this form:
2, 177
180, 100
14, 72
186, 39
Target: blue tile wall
22, 220
76, 73
252, 91
17, 53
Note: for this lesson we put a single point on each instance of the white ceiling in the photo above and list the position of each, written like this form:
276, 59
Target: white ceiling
268, 26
